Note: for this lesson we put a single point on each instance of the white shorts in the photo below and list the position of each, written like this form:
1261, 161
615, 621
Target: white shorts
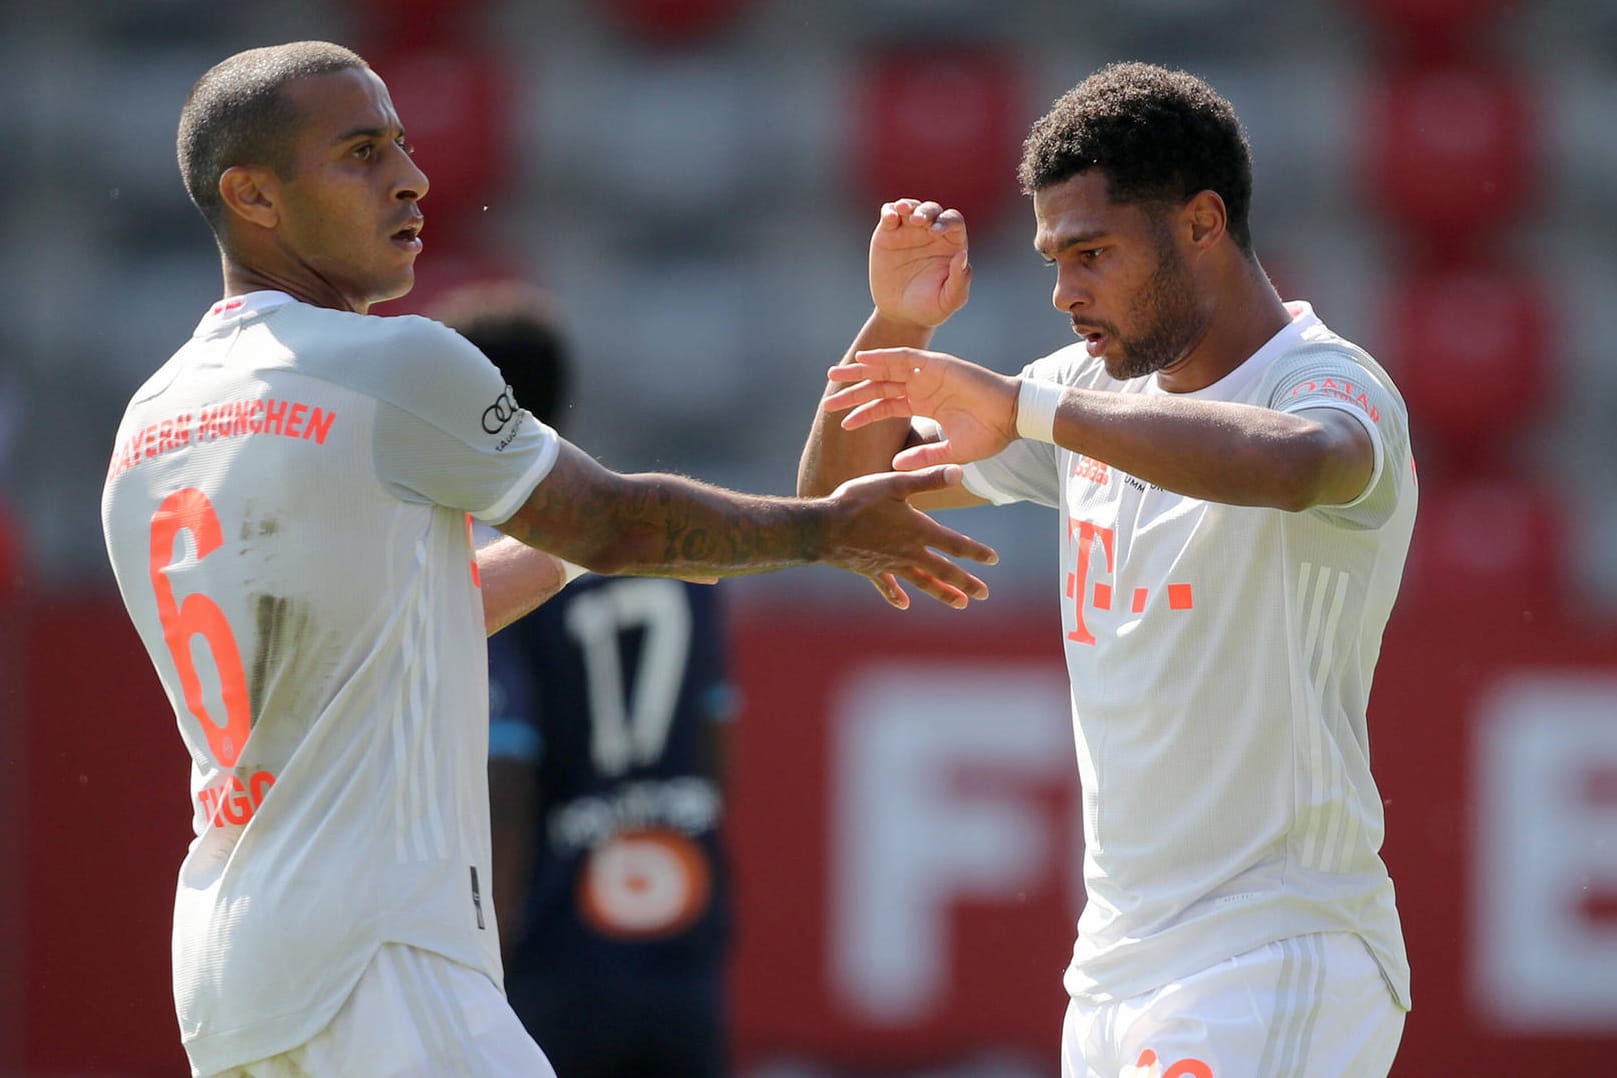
1314, 1006
414, 1014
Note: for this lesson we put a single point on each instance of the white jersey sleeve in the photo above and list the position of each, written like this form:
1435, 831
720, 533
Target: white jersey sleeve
1327, 375
447, 425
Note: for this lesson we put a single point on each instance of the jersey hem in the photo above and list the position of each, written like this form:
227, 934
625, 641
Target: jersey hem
1365, 421
523, 488
1107, 989
214, 1053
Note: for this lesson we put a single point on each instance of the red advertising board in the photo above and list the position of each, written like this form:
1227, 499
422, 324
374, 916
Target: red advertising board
908, 845
906, 839
906, 835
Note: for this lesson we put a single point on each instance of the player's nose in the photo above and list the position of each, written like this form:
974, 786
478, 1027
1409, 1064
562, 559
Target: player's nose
412, 183
1068, 296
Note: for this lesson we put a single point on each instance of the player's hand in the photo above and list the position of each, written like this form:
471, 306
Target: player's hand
919, 272
876, 532
976, 407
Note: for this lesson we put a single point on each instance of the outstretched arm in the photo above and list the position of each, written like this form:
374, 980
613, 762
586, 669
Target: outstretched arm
668, 525
1239, 454
515, 579
919, 276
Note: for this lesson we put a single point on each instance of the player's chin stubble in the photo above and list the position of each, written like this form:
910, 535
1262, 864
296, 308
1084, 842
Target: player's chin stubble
1166, 304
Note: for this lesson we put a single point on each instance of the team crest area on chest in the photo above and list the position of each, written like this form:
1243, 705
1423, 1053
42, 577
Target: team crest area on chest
1089, 481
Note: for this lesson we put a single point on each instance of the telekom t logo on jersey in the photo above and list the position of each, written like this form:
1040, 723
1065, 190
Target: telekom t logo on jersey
1098, 595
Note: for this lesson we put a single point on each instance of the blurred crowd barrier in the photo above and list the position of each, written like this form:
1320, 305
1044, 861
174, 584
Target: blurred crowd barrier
907, 841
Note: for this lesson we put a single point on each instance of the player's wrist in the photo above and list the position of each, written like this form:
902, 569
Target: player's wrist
815, 523
894, 328
1036, 404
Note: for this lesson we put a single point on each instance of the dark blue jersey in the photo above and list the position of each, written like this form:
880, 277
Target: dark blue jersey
616, 693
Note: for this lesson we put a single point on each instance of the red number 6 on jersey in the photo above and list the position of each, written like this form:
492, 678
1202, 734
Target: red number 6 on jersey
190, 510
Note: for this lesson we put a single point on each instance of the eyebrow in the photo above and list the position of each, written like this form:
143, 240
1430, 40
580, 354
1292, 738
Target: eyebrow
1076, 239
364, 132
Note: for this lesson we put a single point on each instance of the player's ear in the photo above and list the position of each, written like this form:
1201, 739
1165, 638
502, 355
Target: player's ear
252, 193
1206, 218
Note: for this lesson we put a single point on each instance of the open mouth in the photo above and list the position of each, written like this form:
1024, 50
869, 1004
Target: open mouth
409, 236
1094, 339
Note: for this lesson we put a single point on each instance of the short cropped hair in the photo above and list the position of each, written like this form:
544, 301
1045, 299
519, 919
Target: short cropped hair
517, 327
1158, 135
236, 114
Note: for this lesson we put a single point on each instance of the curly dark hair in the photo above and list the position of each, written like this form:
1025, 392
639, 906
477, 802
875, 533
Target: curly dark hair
1158, 135
237, 115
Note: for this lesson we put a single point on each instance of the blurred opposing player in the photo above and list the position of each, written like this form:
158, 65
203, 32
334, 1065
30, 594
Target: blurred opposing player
288, 513
1236, 497
610, 707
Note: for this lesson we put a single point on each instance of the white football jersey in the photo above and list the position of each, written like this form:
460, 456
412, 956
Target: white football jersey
288, 513
1220, 659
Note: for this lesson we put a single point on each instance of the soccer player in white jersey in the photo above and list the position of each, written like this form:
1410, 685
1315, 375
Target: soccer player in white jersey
288, 512
1235, 497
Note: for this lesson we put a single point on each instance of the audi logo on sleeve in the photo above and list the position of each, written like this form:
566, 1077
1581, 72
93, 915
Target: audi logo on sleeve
501, 412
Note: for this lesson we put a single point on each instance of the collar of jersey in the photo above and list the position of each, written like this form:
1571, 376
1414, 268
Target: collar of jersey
1303, 319
232, 308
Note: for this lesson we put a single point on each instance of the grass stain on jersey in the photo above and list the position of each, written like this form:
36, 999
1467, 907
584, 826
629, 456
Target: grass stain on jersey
280, 624
258, 528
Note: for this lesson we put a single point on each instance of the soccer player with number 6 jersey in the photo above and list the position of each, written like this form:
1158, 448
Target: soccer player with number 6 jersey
1235, 497
288, 511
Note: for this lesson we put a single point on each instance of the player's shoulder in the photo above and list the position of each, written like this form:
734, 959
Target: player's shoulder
359, 349
1322, 366
156, 382
407, 334
420, 329
1318, 339
1321, 352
